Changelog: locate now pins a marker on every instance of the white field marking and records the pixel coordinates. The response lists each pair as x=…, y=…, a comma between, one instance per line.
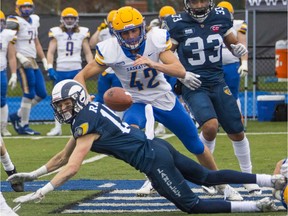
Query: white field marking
x=166, y=136
x=127, y=204
x=107, y=185
x=90, y=160
x=118, y=211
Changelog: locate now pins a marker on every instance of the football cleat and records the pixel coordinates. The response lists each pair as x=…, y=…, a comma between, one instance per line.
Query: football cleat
x=210, y=190
x=160, y=129
x=4, y=130
x=27, y=131
x=15, y=120
x=266, y=205
x=253, y=189
x=278, y=181
x=17, y=187
x=55, y=132
x=146, y=189
x=229, y=193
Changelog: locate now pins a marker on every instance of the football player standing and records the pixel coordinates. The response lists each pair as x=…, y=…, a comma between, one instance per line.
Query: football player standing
x=31, y=78
x=198, y=35
x=68, y=40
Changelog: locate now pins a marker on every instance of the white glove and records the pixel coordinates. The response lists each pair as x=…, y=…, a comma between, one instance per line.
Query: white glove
x=24, y=61
x=191, y=80
x=45, y=64
x=26, y=177
x=37, y=196
x=243, y=69
x=13, y=81
x=284, y=169
x=238, y=50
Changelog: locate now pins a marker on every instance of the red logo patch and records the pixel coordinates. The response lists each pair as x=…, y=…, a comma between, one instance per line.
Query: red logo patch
x=215, y=28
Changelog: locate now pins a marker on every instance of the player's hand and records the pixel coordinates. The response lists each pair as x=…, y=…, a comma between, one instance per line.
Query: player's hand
x=36, y=197
x=102, y=26
x=243, y=69
x=191, y=80
x=52, y=74
x=238, y=50
x=22, y=177
x=13, y=81
x=143, y=60
x=284, y=169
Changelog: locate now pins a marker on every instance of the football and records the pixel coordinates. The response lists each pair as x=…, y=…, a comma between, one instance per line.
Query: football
x=117, y=99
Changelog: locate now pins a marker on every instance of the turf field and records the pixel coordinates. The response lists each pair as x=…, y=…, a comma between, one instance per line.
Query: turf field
x=268, y=142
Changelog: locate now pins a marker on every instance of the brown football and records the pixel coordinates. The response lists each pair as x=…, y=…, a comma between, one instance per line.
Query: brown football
x=117, y=99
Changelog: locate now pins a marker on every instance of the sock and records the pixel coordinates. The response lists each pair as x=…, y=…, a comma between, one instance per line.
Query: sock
x=57, y=124
x=209, y=144
x=6, y=162
x=36, y=100
x=242, y=152
x=4, y=114
x=25, y=110
x=244, y=206
x=264, y=180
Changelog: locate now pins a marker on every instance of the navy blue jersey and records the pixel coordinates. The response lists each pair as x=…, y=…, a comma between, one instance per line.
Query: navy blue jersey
x=200, y=44
x=117, y=138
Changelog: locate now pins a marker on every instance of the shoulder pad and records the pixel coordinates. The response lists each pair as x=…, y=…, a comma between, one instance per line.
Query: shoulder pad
x=12, y=25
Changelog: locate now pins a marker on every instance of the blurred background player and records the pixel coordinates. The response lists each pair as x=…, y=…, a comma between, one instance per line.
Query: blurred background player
x=68, y=40
x=199, y=50
x=7, y=51
x=31, y=78
x=231, y=64
x=107, y=79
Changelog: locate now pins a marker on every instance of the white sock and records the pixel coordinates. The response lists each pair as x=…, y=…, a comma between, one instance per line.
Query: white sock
x=264, y=180
x=6, y=162
x=57, y=124
x=4, y=114
x=244, y=206
x=25, y=110
x=242, y=152
x=36, y=100
x=209, y=144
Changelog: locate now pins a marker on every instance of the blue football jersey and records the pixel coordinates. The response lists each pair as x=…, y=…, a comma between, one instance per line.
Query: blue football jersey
x=200, y=44
x=117, y=138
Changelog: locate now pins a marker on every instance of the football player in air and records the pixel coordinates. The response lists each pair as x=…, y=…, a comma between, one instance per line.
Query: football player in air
x=7, y=51
x=136, y=60
x=231, y=64
x=198, y=35
x=67, y=40
x=31, y=78
x=97, y=128
x=106, y=79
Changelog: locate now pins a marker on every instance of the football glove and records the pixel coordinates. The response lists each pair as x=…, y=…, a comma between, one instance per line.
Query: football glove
x=22, y=177
x=238, y=50
x=102, y=26
x=13, y=81
x=24, y=61
x=45, y=64
x=191, y=80
x=52, y=74
x=243, y=69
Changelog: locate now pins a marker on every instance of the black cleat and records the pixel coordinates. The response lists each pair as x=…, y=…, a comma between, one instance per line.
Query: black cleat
x=17, y=187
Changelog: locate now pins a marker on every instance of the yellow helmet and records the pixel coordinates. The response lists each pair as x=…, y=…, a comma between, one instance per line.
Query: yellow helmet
x=166, y=11
x=110, y=16
x=2, y=21
x=128, y=18
x=284, y=196
x=27, y=12
x=2, y=15
x=226, y=5
x=69, y=12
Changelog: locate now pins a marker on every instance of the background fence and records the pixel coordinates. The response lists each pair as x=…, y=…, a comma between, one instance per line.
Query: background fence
x=270, y=27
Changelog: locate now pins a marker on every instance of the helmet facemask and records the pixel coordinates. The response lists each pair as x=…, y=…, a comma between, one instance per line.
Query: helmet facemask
x=29, y=9
x=69, y=22
x=200, y=13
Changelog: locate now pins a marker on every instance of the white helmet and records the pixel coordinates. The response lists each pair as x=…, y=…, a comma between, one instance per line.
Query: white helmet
x=68, y=89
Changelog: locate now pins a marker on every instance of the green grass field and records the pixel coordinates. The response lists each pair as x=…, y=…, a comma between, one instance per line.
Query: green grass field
x=267, y=144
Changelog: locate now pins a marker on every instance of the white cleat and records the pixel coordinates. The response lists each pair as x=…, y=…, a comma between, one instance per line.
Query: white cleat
x=278, y=181
x=146, y=190
x=55, y=132
x=253, y=189
x=229, y=192
x=266, y=205
x=5, y=132
x=210, y=190
x=160, y=129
